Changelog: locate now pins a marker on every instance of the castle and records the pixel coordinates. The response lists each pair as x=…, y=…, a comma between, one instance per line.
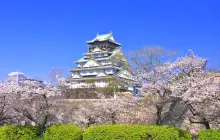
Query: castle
x=104, y=60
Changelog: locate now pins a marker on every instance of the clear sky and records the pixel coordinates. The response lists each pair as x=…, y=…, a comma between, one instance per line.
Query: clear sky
x=39, y=35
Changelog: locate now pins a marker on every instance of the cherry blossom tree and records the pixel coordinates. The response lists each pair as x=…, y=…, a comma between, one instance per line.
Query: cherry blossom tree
x=7, y=116
x=152, y=71
x=87, y=115
x=187, y=82
x=126, y=111
x=113, y=111
x=31, y=101
x=200, y=92
x=183, y=81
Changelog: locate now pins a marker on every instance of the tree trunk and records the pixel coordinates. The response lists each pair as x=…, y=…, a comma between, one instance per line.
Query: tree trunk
x=43, y=125
x=207, y=126
x=42, y=130
x=206, y=123
x=168, y=116
x=159, y=115
x=89, y=122
x=113, y=118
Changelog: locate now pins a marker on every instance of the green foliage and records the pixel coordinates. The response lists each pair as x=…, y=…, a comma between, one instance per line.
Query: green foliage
x=15, y=132
x=120, y=60
x=39, y=138
x=183, y=135
x=106, y=132
x=63, y=132
x=135, y=132
x=209, y=135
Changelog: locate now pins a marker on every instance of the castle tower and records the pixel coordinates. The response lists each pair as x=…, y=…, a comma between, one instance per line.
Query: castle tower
x=102, y=61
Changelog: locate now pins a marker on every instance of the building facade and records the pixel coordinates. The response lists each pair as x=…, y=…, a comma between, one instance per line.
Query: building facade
x=18, y=77
x=104, y=60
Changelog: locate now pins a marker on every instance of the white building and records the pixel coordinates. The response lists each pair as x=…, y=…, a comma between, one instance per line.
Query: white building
x=97, y=64
x=16, y=76
x=19, y=76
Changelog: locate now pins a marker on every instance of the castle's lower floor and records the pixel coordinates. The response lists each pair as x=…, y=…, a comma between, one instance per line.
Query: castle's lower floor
x=82, y=84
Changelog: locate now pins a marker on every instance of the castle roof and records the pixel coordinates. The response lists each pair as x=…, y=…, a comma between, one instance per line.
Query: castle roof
x=114, y=52
x=103, y=37
x=118, y=75
x=95, y=68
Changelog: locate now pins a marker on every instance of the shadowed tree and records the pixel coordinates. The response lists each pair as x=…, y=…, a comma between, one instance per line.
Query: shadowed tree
x=147, y=63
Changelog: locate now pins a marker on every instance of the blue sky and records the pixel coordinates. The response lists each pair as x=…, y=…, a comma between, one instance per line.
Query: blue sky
x=39, y=35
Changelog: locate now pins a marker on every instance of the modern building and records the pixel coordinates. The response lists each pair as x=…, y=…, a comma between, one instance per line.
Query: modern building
x=104, y=60
x=18, y=77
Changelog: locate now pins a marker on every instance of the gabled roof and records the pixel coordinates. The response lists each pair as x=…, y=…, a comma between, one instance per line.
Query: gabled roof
x=102, y=74
x=91, y=63
x=76, y=75
x=82, y=60
x=97, y=49
x=98, y=52
x=125, y=74
x=103, y=37
x=96, y=68
x=114, y=52
x=87, y=78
